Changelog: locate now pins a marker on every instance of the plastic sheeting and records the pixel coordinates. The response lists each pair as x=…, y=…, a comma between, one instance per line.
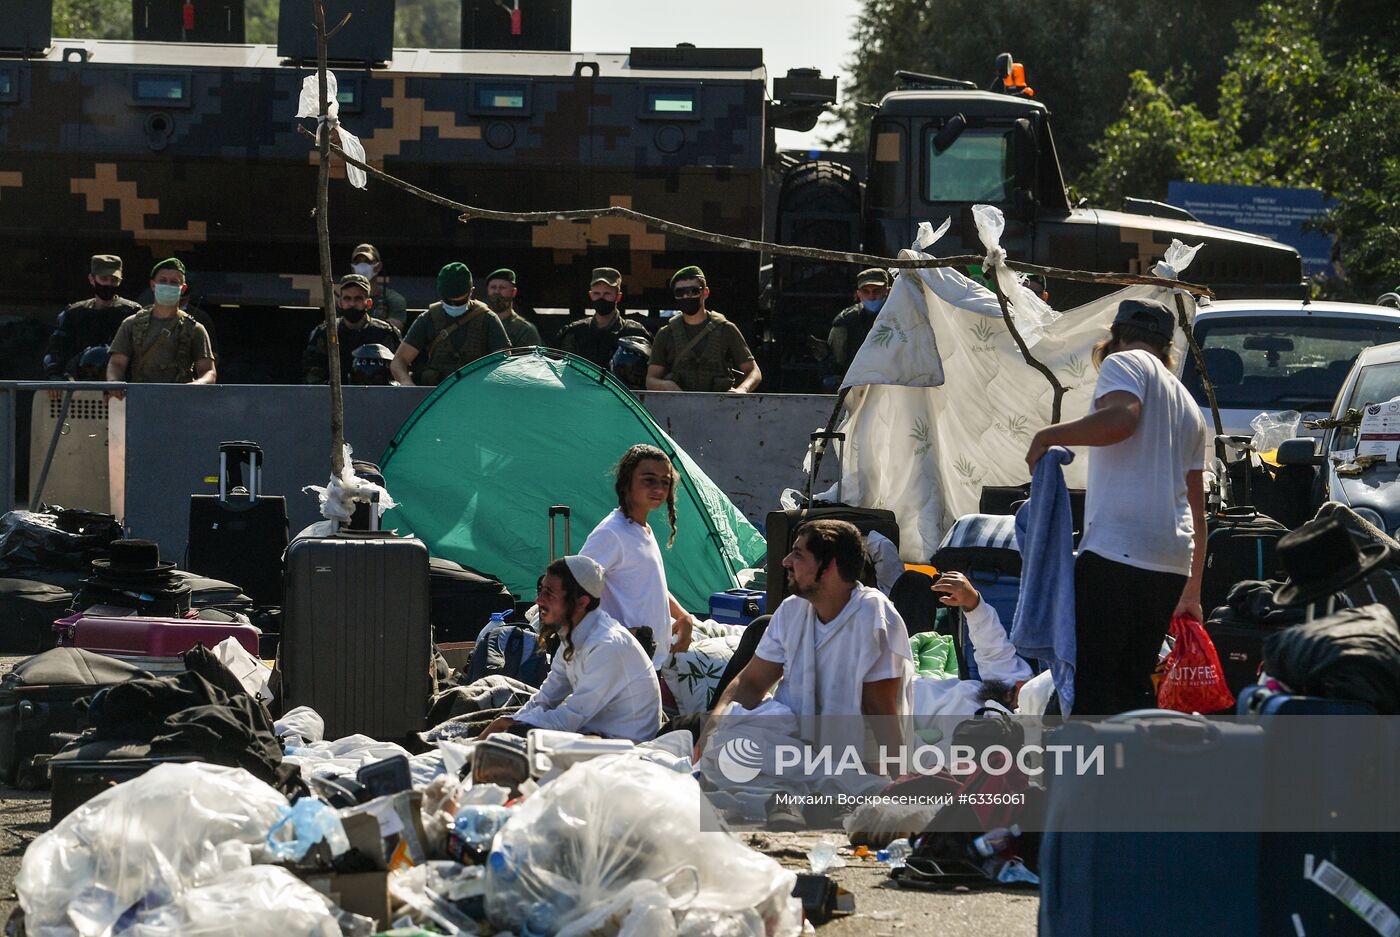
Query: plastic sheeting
x=941, y=402
x=478, y=464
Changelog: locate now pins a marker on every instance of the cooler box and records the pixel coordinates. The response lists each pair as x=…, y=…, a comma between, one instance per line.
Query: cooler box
x=136, y=636
x=737, y=606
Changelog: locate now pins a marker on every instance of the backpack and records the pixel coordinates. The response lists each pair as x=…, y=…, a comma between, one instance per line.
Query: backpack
x=510, y=651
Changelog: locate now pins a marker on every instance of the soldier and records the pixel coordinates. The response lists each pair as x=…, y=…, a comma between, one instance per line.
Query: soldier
x=88, y=322
x=699, y=349
x=450, y=333
x=353, y=327
x=596, y=336
x=853, y=324
x=500, y=296
x=393, y=307
x=162, y=344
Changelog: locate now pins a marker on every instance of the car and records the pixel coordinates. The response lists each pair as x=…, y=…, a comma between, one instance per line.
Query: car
x=1266, y=355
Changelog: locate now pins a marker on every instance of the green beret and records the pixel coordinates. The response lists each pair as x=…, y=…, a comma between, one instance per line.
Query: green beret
x=504, y=273
x=688, y=273
x=454, y=280
x=169, y=263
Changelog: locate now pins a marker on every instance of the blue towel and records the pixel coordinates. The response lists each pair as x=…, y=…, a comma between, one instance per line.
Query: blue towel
x=1044, y=625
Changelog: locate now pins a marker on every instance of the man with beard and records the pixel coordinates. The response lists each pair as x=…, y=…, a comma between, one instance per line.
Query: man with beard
x=354, y=327
x=596, y=337
x=500, y=296
x=700, y=349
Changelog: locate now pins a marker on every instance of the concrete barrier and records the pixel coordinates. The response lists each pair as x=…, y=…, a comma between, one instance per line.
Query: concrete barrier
x=165, y=444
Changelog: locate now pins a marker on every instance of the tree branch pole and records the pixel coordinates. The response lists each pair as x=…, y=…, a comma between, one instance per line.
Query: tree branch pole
x=1200, y=360
x=323, y=235
x=1032, y=360
x=470, y=212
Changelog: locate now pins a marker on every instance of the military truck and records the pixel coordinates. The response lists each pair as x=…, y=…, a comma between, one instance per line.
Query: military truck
x=149, y=148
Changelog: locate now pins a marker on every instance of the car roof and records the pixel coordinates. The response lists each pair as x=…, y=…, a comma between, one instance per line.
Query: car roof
x=1231, y=308
x=1378, y=354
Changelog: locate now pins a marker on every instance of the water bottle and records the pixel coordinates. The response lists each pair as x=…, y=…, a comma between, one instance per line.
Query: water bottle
x=895, y=853
x=473, y=829
x=540, y=922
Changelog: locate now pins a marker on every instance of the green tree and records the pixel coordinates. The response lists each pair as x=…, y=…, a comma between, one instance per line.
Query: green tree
x=92, y=19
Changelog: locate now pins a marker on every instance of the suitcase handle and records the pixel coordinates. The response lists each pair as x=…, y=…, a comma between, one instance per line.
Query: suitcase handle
x=1149, y=719
x=556, y=510
x=824, y=436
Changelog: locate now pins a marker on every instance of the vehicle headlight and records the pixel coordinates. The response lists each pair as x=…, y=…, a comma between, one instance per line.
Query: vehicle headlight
x=1371, y=517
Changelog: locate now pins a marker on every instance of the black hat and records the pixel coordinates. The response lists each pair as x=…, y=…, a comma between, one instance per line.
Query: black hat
x=1146, y=314
x=1322, y=558
x=132, y=556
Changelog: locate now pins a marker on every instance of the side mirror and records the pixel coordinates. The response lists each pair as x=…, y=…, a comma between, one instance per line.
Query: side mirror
x=1300, y=451
x=947, y=136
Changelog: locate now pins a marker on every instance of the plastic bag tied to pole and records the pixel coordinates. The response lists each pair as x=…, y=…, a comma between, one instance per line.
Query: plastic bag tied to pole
x=309, y=105
x=343, y=491
x=1030, y=313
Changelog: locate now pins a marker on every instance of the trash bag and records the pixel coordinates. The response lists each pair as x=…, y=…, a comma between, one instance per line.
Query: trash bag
x=1272, y=430
x=1352, y=655
x=1194, y=682
x=145, y=842
x=251, y=902
x=62, y=539
x=622, y=826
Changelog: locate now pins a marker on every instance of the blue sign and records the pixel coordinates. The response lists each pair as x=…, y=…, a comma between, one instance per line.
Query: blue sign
x=1275, y=213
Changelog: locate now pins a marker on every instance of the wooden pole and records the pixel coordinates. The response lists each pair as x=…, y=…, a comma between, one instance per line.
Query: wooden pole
x=323, y=235
x=1030, y=359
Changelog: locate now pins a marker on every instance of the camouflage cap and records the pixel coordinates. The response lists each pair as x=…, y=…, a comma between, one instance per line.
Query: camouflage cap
x=872, y=275
x=688, y=273
x=365, y=250
x=504, y=273
x=606, y=275
x=354, y=279
x=453, y=280
x=106, y=265
x=169, y=263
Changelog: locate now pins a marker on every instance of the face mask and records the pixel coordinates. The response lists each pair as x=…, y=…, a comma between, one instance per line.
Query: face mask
x=166, y=294
x=352, y=314
x=689, y=305
x=453, y=311
x=872, y=305
x=364, y=270
x=104, y=293
x=498, y=303
x=603, y=307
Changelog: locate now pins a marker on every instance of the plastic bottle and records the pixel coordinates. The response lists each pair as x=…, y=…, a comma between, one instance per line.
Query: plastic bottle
x=994, y=841
x=473, y=829
x=540, y=922
x=895, y=853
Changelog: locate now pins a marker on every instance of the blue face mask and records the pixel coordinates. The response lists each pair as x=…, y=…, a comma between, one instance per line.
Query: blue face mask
x=166, y=294
x=453, y=311
x=872, y=305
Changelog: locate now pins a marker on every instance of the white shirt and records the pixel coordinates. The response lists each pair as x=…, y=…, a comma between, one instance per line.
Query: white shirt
x=608, y=688
x=634, y=578
x=885, y=556
x=1135, y=510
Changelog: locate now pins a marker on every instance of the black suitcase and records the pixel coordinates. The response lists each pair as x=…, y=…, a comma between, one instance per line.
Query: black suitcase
x=28, y=608
x=36, y=700
x=82, y=771
x=239, y=535
x=1240, y=545
x=357, y=639
x=1240, y=644
x=462, y=600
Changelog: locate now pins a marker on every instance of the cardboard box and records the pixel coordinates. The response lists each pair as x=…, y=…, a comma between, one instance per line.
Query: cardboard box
x=362, y=893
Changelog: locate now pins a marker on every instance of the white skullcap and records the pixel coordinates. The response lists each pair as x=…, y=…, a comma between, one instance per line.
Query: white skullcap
x=588, y=573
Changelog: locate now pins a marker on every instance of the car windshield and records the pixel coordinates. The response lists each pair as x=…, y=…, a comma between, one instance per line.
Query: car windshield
x=1376, y=383
x=1282, y=362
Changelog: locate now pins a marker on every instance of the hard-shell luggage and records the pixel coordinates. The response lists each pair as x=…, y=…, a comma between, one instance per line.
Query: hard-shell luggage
x=463, y=600
x=1240, y=545
x=83, y=770
x=139, y=636
x=356, y=633
x=28, y=609
x=737, y=606
x=239, y=535
x=36, y=700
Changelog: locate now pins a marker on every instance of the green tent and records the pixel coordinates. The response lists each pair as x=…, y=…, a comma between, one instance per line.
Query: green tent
x=477, y=465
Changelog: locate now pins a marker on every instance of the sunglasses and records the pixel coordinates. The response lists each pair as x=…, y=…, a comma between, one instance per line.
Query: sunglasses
x=688, y=291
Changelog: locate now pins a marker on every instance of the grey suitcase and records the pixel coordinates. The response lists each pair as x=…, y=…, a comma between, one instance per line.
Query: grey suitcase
x=357, y=634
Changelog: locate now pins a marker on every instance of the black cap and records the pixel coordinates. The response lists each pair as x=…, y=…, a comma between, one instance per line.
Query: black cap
x=1147, y=314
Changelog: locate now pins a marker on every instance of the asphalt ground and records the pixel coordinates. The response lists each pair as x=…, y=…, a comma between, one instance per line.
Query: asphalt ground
x=881, y=907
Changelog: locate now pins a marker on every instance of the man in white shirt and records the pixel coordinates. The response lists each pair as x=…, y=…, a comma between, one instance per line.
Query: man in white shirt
x=600, y=681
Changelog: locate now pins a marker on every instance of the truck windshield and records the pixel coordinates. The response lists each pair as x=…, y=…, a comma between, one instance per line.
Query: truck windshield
x=976, y=168
x=1282, y=362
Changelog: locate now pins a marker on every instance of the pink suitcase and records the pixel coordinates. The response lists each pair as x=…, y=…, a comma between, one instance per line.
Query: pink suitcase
x=149, y=637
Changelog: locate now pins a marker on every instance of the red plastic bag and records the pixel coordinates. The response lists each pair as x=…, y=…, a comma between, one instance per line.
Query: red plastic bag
x=1194, y=682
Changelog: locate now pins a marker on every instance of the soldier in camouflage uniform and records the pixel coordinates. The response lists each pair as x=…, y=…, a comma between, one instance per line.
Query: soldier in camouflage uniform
x=450, y=333
x=354, y=327
x=392, y=306
x=699, y=349
x=88, y=322
x=853, y=324
x=162, y=344
x=596, y=337
x=500, y=296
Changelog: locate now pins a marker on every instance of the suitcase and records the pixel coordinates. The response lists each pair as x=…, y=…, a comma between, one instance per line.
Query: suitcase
x=1240, y=545
x=1261, y=701
x=781, y=527
x=82, y=771
x=28, y=609
x=462, y=600
x=1240, y=644
x=737, y=606
x=134, y=635
x=1000, y=499
x=36, y=700
x=239, y=535
x=356, y=633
